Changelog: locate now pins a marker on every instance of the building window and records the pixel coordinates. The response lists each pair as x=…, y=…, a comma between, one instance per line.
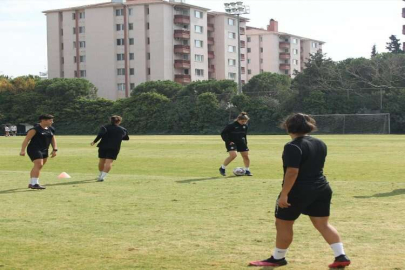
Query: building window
x=131, y=41
x=295, y=61
x=62, y=60
x=74, y=44
x=82, y=15
x=75, y=73
x=132, y=86
x=198, y=43
x=74, y=59
x=231, y=75
x=286, y=72
x=198, y=14
x=261, y=49
x=249, y=39
x=61, y=46
x=148, y=40
x=249, y=71
x=198, y=29
x=131, y=71
x=147, y=26
x=295, y=51
x=248, y=61
x=82, y=44
x=121, y=87
x=82, y=29
x=74, y=16
x=260, y=38
x=314, y=45
x=232, y=62
x=232, y=35
x=82, y=58
x=295, y=41
x=261, y=71
x=148, y=71
x=231, y=21
x=83, y=73
x=74, y=30
x=199, y=58
x=120, y=42
x=131, y=56
x=231, y=48
x=61, y=32
x=119, y=12
x=121, y=71
x=199, y=72
x=120, y=27
x=120, y=57
x=148, y=56
x=249, y=50
x=261, y=60
x=131, y=26
x=130, y=10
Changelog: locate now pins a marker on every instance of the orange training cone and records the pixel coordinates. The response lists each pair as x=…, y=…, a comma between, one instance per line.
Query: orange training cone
x=64, y=175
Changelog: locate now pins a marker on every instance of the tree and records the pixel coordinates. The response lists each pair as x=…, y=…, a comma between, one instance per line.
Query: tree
x=267, y=83
x=374, y=51
x=167, y=88
x=394, y=46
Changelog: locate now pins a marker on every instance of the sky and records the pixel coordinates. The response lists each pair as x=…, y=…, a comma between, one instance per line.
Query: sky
x=349, y=27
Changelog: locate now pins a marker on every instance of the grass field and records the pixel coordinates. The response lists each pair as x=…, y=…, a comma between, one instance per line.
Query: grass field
x=164, y=206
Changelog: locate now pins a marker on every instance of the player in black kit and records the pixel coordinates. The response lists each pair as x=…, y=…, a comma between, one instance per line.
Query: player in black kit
x=305, y=190
x=111, y=137
x=38, y=140
x=234, y=136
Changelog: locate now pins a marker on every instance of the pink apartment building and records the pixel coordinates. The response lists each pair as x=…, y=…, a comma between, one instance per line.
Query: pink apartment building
x=117, y=45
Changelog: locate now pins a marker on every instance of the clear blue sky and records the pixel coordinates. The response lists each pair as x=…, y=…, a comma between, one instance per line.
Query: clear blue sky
x=349, y=27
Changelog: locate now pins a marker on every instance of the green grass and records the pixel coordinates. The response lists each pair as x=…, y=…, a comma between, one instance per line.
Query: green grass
x=164, y=207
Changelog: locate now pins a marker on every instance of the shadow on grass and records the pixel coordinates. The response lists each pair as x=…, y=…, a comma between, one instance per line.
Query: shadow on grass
x=387, y=194
x=19, y=190
x=186, y=181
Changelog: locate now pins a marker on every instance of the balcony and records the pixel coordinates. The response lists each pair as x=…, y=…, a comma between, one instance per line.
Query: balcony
x=242, y=70
x=181, y=19
x=242, y=30
x=211, y=41
x=403, y=13
x=285, y=66
x=184, y=49
x=211, y=55
x=403, y=30
x=211, y=69
x=182, y=64
x=183, y=34
x=210, y=27
x=182, y=78
x=242, y=44
x=284, y=45
x=285, y=56
x=242, y=57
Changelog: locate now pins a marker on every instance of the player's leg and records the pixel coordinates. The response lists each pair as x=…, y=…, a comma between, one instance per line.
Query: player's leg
x=246, y=162
x=100, y=166
x=35, y=172
x=107, y=168
x=232, y=155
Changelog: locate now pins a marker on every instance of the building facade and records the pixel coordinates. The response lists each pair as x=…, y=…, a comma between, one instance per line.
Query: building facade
x=118, y=45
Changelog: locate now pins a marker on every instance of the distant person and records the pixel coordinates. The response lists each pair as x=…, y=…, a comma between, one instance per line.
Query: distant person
x=7, y=131
x=38, y=140
x=305, y=191
x=109, y=147
x=234, y=136
x=13, y=130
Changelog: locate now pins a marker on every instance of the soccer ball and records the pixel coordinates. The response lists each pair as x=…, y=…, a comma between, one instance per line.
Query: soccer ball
x=239, y=171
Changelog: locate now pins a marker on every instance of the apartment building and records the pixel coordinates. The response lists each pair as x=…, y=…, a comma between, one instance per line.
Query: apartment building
x=117, y=45
x=269, y=50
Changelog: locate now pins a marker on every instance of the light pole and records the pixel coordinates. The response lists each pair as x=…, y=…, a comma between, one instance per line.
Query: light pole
x=237, y=8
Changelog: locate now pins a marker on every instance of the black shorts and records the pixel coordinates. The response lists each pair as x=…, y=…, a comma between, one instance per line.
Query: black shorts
x=108, y=153
x=37, y=154
x=314, y=202
x=240, y=147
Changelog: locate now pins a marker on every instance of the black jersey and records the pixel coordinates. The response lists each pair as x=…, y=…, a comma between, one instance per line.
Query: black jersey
x=111, y=137
x=308, y=154
x=42, y=138
x=235, y=133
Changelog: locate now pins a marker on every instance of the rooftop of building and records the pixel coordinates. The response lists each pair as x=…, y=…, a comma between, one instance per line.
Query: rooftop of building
x=262, y=31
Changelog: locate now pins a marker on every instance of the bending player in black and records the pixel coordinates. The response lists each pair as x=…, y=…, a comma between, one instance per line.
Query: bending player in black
x=111, y=137
x=38, y=140
x=234, y=136
x=305, y=191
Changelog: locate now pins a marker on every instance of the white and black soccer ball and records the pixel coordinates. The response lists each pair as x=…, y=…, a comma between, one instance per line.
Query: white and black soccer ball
x=239, y=171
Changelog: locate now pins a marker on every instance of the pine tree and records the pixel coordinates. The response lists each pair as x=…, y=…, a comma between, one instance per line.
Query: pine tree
x=374, y=51
x=394, y=46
